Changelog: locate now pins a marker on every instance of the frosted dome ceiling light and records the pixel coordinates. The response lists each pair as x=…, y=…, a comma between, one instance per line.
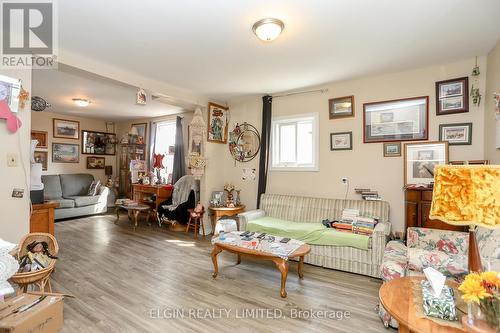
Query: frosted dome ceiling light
x=268, y=29
x=81, y=102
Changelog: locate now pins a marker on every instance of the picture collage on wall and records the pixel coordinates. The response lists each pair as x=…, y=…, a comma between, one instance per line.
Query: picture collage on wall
x=96, y=143
x=392, y=122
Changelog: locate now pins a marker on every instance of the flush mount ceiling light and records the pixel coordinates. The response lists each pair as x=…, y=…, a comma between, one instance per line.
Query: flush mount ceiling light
x=81, y=102
x=268, y=29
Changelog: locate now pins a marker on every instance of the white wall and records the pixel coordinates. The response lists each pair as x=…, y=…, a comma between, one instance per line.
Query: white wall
x=43, y=121
x=15, y=212
x=365, y=165
x=492, y=85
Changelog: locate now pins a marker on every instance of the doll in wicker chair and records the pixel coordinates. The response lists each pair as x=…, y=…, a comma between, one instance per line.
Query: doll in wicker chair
x=38, y=257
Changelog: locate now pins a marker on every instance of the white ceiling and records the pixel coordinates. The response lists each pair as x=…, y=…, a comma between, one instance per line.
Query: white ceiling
x=110, y=100
x=208, y=48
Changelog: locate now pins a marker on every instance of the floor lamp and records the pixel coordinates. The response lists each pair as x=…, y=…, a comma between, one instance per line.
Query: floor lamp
x=467, y=195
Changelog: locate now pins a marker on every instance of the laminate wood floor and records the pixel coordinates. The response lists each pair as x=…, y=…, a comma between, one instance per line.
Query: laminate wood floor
x=126, y=281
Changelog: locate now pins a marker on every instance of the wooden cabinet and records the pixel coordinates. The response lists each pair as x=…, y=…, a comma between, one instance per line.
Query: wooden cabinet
x=42, y=217
x=417, y=207
x=143, y=193
x=127, y=153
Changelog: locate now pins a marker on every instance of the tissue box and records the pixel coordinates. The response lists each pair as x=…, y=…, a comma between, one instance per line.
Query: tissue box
x=440, y=307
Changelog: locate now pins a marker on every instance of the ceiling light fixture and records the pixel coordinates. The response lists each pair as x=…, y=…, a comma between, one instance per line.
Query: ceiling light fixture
x=80, y=102
x=268, y=29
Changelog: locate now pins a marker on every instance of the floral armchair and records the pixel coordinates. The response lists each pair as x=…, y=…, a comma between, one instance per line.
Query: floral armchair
x=443, y=250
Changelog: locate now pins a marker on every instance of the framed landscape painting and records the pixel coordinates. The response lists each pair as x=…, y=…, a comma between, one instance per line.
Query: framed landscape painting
x=456, y=134
x=404, y=119
x=420, y=160
x=392, y=149
x=341, y=141
x=94, y=162
x=218, y=117
x=341, y=107
x=452, y=96
x=65, y=153
x=66, y=129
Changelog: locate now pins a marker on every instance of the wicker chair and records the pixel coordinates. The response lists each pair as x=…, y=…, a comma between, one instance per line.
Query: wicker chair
x=39, y=278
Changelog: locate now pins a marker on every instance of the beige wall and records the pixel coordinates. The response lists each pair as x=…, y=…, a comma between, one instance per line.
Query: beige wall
x=492, y=85
x=15, y=212
x=365, y=165
x=42, y=121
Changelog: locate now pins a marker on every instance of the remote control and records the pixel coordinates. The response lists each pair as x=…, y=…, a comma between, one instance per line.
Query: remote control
x=262, y=235
x=285, y=240
x=245, y=233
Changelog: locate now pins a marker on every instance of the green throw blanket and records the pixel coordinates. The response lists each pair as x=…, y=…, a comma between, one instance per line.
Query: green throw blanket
x=310, y=233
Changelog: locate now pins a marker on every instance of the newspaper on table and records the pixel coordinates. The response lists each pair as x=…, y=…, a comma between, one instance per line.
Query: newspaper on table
x=274, y=247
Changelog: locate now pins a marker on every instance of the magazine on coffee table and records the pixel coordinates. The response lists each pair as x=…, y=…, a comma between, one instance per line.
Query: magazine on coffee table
x=267, y=244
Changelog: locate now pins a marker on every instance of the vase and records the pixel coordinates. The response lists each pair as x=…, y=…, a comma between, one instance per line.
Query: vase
x=486, y=313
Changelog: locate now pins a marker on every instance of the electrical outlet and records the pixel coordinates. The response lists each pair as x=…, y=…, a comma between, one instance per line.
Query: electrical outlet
x=344, y=180
x=12, y=160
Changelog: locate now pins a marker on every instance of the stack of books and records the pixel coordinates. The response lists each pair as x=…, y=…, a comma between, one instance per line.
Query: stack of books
x=364, y=225
x=345, y=223
x=368, y=194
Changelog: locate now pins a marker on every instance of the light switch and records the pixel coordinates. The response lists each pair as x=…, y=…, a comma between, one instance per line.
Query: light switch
x=12, y=160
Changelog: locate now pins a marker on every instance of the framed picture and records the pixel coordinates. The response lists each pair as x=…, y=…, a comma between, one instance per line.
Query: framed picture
x=141, y=132
x=420, y=160
x=65, y=153
x=98, y=143
x=66, y=129
x=341, y=107
x=41, y=137
x=341, y=141
x=404, y=119
x=471, y=162
x=452, y=96
x=456, y=134
x=140, y=97
x=392, y=149
x=217, y=123
x=9, y=91
x=41, y=157
x=94, y=162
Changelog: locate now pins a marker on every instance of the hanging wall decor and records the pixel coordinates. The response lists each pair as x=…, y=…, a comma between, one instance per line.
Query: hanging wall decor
x=244, y=142
x=475, y=95
x=218, y=118
x=196, y=160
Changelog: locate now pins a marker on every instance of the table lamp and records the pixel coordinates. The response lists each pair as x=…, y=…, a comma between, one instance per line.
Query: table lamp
x=467, y=195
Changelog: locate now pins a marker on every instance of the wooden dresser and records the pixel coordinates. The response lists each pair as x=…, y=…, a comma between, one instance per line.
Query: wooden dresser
x=142, y=192
x=417, y=208
x=42, y=217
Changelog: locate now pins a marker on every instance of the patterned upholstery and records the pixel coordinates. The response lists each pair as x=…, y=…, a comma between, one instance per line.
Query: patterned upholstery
x=307, y=209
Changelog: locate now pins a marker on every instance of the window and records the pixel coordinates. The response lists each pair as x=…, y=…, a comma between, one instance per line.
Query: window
x=294, y=145
x=164, y=144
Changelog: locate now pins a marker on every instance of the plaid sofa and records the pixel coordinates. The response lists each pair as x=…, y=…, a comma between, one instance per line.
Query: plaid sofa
x=307, y=209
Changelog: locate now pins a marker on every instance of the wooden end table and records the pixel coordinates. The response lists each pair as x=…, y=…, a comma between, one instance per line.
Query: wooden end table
x=281, y=263
x=133, y=211
x=216, y=212
x=397, y=298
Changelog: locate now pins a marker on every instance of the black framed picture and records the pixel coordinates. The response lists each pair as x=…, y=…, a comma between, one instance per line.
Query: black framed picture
x=456, y=134
x=452, y=96
x=98, y=143
x=341, y=141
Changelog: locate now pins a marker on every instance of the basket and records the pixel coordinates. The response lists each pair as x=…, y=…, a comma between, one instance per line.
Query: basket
x=39, y=278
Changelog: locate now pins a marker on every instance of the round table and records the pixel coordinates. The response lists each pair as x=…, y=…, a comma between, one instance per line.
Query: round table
x=397, y=298
x=216, y=212
x=133, y=212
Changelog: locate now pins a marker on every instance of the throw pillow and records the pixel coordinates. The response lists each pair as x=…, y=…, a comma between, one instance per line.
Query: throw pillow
x=94, y=188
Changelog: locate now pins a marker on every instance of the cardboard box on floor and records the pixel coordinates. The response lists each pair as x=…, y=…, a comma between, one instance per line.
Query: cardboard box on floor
x=44, y=317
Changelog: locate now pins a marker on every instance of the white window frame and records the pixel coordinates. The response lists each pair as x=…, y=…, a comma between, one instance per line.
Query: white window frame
x=315, y=142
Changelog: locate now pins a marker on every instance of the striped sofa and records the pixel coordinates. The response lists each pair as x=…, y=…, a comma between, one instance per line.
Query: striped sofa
x=306, y=209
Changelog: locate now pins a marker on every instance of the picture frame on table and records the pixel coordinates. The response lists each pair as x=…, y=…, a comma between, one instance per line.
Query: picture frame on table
x=341, y=141
x=66, y=129
x=218, y=118
x=95, y=162
x=456, y=134
x=392, y=149
x=98, y=143
x=41, y=137
x=65, y=152
x=41, y=157
x=420, y=158
x=341, y=107
x=452, y=96
x=405, y=119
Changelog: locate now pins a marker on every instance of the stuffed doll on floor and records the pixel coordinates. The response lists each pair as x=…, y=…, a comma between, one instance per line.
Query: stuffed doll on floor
x=37, y=258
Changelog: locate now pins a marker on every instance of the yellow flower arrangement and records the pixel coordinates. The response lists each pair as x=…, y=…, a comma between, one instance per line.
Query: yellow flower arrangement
x=484, y=290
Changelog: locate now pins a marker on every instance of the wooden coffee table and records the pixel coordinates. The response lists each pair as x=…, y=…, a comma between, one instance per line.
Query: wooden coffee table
x=281, y=263
x=397, y=298
x=133, y=212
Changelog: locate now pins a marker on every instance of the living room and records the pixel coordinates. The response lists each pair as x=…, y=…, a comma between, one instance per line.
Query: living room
x=283, y=169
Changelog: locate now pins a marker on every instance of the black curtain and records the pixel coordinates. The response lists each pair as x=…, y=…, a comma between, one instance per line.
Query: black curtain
x=179, y=162
x=265, y=141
